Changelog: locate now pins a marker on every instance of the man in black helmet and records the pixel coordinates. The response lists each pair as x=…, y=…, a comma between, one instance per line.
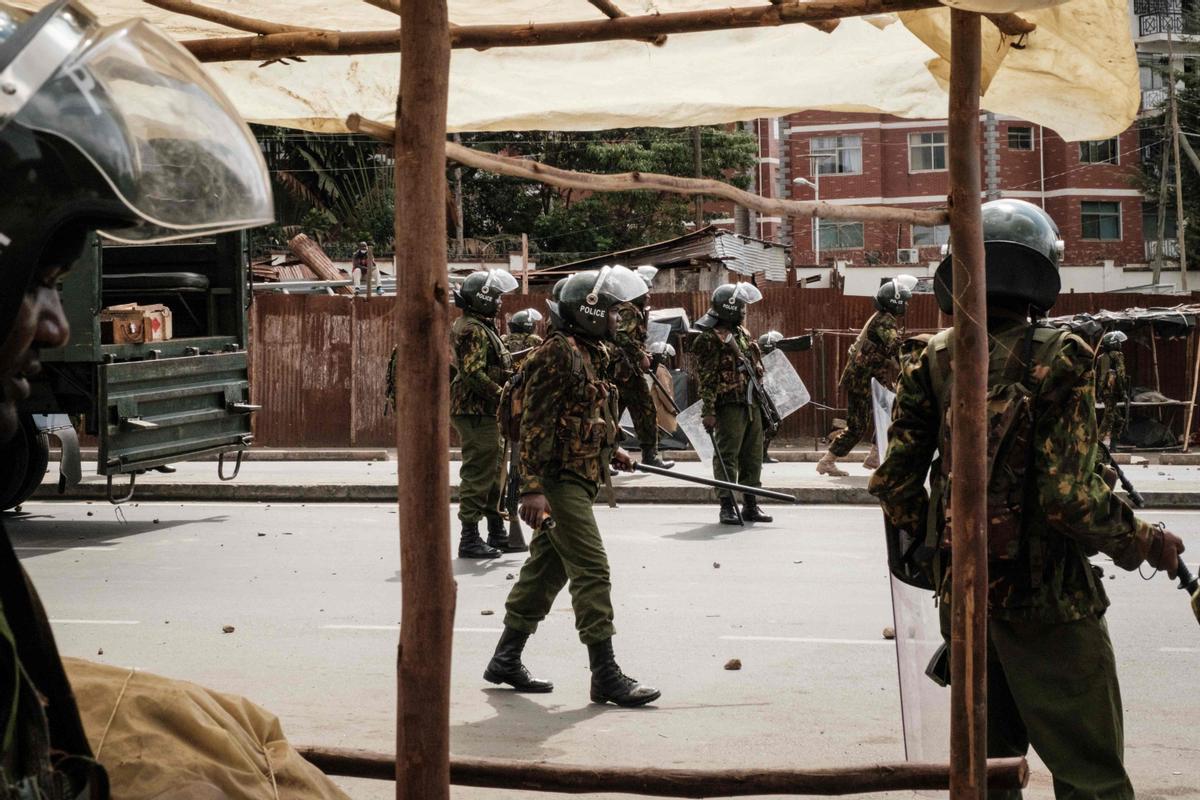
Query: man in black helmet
x=874, y=354
x=722, y=355
x=568, y=440
x=630, y=365
x=1052, y=680
x=80, y=151
x=1112, y=386
x=521, y=339
x=481, y=367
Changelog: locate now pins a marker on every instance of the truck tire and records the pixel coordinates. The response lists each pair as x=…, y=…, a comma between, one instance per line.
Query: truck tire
x=22, y=471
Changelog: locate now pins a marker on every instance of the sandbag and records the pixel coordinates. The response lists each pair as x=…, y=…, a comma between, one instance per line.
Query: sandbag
x=164, y=738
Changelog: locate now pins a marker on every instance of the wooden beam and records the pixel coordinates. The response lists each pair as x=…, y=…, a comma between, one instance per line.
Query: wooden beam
x=968, y=441
x=1012, y=24
x=228, y=19
x=387, y=5
x=788, y=12
x=422, y=765
x=610, y=10
x=1004, y=774
x=648, y=181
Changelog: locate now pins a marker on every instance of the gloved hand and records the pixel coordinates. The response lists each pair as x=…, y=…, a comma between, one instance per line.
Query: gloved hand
x=710, y=422
x=1164, y=552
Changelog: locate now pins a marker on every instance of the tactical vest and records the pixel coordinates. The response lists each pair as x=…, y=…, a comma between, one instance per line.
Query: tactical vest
x=862, y=351
x=732, y=384
x=1012, y=404
x=499, y=365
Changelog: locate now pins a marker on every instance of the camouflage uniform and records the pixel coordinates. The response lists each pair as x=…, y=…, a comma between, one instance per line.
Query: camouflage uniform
x=520, y=343
x=482, y=365
x=629, y=377
x=875, y=354
x=724, y=392
x=1112, y=389
x=1052, y=677
x=568, y=433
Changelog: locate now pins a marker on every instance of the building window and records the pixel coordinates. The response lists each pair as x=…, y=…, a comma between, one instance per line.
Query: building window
x=926, y=152
x=839, y=155
x=1104, y=151
x=1020, y=138
x=1100, y=221
x=841, y=235
x=930, y=236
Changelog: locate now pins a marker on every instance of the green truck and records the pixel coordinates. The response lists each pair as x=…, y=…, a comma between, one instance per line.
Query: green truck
x=146, y=404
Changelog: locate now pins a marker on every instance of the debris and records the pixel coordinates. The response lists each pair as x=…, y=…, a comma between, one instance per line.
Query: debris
x=89, y=513
x=487, y=612
x=227, y=629
x=889, y=633
x=797, y=562
x=100, y=652
x=733, y=664
x=156, y=520
x=716, y=565
x=262, y=534
x=509, y=577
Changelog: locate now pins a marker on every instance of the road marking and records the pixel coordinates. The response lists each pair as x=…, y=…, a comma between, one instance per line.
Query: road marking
x=1179, y=649
x=807, y=640
x=95, y=622
x=397, y=627
x=62, y=548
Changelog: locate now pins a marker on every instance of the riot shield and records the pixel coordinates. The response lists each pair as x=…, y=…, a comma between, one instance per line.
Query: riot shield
x=692, y=426
x=657, y=332
x=924, y=706
x=783, y=384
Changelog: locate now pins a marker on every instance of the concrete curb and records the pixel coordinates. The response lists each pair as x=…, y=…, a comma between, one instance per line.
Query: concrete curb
x=235, y=491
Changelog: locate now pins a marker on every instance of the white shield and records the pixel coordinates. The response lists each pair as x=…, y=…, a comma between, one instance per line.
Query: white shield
x=782, y=384
x=657, y=332
x=690, y=422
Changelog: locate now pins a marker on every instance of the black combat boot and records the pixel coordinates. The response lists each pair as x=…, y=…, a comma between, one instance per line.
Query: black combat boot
x=650, y=456
x=751, y=512
x=610, y=685
x=728, y=511
x=497, y=533
x=506, y=666
x=471, y=545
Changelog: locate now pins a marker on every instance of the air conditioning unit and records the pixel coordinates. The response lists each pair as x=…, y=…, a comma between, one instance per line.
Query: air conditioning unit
x=906, y=255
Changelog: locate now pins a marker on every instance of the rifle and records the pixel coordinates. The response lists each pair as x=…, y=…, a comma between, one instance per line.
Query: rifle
x=512, y=500
x=716, y=484
x=755, y=394
x=1189, y=584
x=1135, y=496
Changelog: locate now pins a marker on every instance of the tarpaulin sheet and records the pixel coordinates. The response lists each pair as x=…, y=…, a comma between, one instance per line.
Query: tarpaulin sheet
x=159, y=737
x=1076, y=74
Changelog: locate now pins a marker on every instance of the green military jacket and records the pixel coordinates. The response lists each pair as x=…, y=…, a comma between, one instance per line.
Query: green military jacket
x=630, y=342
x=716, y=359
x=481, y=366
x=1111, y=381
x=569, y=418
x=520, y=343
x=875, y=353
x=1072, y=513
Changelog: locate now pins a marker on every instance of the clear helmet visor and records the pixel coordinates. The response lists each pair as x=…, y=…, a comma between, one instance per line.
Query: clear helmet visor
x=905, y=283
x=647, y=272
x=746, y=293
x=771, y=338
x=499, y=281
x=533, y=315
x=620, y=283
x=159, y=130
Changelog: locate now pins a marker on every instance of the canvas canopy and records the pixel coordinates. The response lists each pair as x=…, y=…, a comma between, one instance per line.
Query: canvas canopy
x=1076, y=74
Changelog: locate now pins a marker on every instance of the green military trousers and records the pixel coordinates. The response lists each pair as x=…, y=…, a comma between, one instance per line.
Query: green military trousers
x=1054, y=685
x=858, y=416
x=634, y=395
x=739, y=440
x=479, y=478
x=569, y=553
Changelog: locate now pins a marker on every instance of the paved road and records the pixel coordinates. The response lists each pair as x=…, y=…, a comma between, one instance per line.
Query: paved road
x=314, y=594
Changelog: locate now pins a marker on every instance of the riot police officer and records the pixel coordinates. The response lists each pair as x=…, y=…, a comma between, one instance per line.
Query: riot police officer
x=76, y=158
x=1112, y=386
x=630, y=363
x=481, y=367
x=568, y=439
x=520, y=339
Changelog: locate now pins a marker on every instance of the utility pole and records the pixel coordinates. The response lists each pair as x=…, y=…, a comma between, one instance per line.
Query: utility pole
x=1180, y=220
x=1161, y=232
x=458, y=204
x=698, y=171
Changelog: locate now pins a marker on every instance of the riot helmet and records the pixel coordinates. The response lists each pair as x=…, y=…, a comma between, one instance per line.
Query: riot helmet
x=1022, y=249
x=1113, y=340
x=587, y=297
x=661, y=350
x=480, y=292
x=555, y=322
x=893, y=295
x=524, y=320
x=112, y=128
x=647, y=273
x=729, y=303
x=768, y=340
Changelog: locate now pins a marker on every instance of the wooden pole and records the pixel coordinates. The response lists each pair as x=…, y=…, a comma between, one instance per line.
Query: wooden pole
x=968, y=629
x=1180, y=218
x=1005, y=774
x=1191, y=411
x=230, y=20
x=1161, y=219
x=422, y=766
x=791, y=12
x=610, y=10
x=524, y=263
x=649, y=181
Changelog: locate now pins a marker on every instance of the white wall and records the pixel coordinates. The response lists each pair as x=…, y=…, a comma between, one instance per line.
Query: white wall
x=1106, y=277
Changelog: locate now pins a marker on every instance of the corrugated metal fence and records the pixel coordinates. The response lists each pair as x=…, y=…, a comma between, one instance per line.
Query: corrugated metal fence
x=318, y=362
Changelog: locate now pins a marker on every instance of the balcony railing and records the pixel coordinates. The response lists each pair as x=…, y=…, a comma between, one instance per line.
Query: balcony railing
x=1144, y=7
x=1153, y=24
x=1170, y=248
x=1153, y=98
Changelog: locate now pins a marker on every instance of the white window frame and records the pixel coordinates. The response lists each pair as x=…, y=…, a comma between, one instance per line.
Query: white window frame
x=841, y=144
x=1116, y=150
x=932, y=147
x=1120, y=221
x=1032, y=141
x=837, y=225
x=912, y=235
